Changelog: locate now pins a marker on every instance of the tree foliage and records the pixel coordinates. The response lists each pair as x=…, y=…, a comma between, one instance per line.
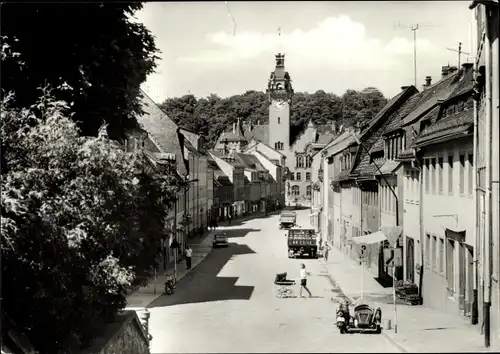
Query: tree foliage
x=95, y=49
x=80, y=218
x=211, y=115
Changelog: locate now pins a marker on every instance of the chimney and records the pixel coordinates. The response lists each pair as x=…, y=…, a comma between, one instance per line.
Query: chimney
x=467, y=66
x=404, y=88
x=428, y=80
x=445, y=70
x=334, y=127
x=234, y=128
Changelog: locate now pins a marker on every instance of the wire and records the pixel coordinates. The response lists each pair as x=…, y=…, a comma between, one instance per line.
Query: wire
x=232, y=18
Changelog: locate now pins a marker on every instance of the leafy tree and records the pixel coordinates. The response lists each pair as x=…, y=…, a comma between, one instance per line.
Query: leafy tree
x=77, y=225
x=95, y=49
x=212, y=115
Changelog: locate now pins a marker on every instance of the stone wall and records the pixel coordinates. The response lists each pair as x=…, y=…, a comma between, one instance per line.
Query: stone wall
x=123, y=336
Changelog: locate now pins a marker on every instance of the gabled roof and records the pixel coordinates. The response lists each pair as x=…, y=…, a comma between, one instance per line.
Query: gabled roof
x=451, y=126
x=405, y=109
x=251, y=162
x=377, y=125
x=441, y=90
x=273, y=161
x=229, y=158
x=161, y=130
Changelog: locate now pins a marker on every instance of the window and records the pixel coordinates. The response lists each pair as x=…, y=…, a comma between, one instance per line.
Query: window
x=292, y=176
x=279, y=120
x=308, y=176
x=440, y=175
x=470, y=170
x=433, y=176
x=278, y=145
x=426, y=171
x=441, y=255
x=403, y=142
x=308, y=190
x=300, y=161
x=308, y=161
x=433, y=253
x=295, y=191
x=450, y=266
x=450, y=174
x=462, y=174
x=299, y=177
x=427, y=247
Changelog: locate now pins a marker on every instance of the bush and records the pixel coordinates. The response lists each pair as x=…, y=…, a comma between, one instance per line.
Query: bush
x=80, y=218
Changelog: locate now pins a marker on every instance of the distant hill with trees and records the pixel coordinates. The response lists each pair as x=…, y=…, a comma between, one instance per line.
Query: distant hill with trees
x=211, y=115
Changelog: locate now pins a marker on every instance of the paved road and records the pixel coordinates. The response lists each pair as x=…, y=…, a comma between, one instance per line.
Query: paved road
x=228, y=303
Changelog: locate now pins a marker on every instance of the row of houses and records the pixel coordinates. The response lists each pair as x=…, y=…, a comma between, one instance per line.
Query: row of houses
x=234, y=181
x=420, y=164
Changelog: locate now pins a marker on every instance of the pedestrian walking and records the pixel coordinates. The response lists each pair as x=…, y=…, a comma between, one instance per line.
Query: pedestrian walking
x=303, y=280
x=229, y=219
x=326, y=249
x=189, y=254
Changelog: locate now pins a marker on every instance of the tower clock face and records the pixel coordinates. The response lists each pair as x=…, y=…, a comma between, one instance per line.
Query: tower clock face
x=279, y=105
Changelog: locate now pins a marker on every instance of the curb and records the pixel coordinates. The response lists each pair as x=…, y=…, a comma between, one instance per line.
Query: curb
x=386, y=336
x=184, y=275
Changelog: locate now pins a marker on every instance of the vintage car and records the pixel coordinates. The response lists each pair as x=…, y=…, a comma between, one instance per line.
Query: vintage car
x=220, y=240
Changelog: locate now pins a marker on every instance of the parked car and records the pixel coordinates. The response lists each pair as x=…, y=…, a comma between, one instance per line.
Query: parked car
x=220, y=240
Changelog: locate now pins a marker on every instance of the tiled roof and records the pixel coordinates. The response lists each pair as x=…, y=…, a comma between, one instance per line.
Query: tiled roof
x=451, y=125
x=377, y=126
x=465, y=84
x=401, y=113
x=162, y=130
x=378, y=146
x=260, y=132
x=229, y=158
x=340, y=143
x=371, y=169
x=431, y=95
x=342, y=176
x=257, y=132
x=251, y=162
x=392, y=102
x=388, y=167
x=365, y=161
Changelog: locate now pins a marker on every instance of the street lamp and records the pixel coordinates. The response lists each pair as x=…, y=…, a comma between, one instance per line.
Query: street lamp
x=358, y=141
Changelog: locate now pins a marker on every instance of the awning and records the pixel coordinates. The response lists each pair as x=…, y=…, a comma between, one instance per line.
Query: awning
x=369, y=239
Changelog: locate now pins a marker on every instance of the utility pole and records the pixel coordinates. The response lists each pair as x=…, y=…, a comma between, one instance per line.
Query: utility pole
x=414, y=28
x=459, y=51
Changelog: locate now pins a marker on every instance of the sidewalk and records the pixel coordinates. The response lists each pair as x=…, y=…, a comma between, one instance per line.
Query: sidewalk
x=145, y=295
x=420, y=329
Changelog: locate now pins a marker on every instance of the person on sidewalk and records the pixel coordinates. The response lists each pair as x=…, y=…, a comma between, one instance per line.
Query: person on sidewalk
x=229, y=218
x=326, y=249
x=189, y=254
x=303, y=279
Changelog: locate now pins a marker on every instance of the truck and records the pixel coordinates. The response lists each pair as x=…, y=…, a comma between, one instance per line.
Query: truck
x=302, y=242
x=287, y=219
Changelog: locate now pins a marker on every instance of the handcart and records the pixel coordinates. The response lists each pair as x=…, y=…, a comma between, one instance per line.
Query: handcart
x=284, y=288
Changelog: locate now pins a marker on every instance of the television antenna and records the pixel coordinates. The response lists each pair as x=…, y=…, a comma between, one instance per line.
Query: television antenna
x=459, y=51
x=414, y=28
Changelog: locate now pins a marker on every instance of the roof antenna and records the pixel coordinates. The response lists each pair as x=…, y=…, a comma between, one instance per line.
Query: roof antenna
x=459, y=51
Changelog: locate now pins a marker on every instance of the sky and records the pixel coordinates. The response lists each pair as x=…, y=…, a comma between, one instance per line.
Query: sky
x=331, y=46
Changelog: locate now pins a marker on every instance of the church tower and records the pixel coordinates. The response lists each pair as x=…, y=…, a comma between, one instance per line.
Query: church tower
x=280, y=95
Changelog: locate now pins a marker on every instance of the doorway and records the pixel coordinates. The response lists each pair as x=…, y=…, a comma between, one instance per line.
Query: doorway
x=410, y=259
